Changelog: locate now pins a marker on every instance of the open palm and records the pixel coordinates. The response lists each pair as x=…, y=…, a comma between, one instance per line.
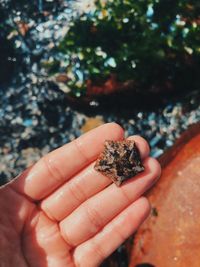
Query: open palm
x=61, y=212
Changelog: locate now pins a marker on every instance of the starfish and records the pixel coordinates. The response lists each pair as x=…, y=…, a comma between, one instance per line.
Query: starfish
x=120, y=161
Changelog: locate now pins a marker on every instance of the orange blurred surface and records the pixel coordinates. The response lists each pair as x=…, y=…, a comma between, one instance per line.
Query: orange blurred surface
x=171, y=235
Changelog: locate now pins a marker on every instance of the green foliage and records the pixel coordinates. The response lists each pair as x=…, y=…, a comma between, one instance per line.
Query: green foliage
x=156, y=43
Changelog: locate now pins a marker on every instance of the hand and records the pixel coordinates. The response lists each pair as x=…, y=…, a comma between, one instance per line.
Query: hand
x=61, y=212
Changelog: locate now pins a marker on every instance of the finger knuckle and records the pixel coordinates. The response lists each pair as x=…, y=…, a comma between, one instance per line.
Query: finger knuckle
x=98, y=251
x=79, y=147
x=65, y=235
x=77, y=191
x=95, y=220
x=52, y=168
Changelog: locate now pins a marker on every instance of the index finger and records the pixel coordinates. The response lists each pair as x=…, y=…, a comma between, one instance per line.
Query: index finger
x=60, y=165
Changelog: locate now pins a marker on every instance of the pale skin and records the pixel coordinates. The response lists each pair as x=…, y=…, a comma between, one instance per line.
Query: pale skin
x=61, y=212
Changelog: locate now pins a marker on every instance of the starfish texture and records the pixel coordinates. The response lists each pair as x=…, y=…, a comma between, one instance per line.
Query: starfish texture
x=120, y=160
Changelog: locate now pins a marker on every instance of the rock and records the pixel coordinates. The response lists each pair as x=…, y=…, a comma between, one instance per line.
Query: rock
x=62, y=78
x=110, y=86
x=92, y=123
x=23, y=28
x=170, y=237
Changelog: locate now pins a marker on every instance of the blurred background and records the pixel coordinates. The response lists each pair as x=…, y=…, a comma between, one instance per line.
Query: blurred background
x=69, y=66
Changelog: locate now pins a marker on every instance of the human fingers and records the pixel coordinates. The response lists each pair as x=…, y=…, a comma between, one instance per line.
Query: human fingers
x=142, y=144
x=57, y=167
x=96, y=212
x=92, y=252
x=42, y=243
x=82, y=186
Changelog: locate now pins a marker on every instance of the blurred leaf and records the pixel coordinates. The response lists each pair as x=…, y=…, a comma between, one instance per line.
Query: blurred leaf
x=151, y=42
